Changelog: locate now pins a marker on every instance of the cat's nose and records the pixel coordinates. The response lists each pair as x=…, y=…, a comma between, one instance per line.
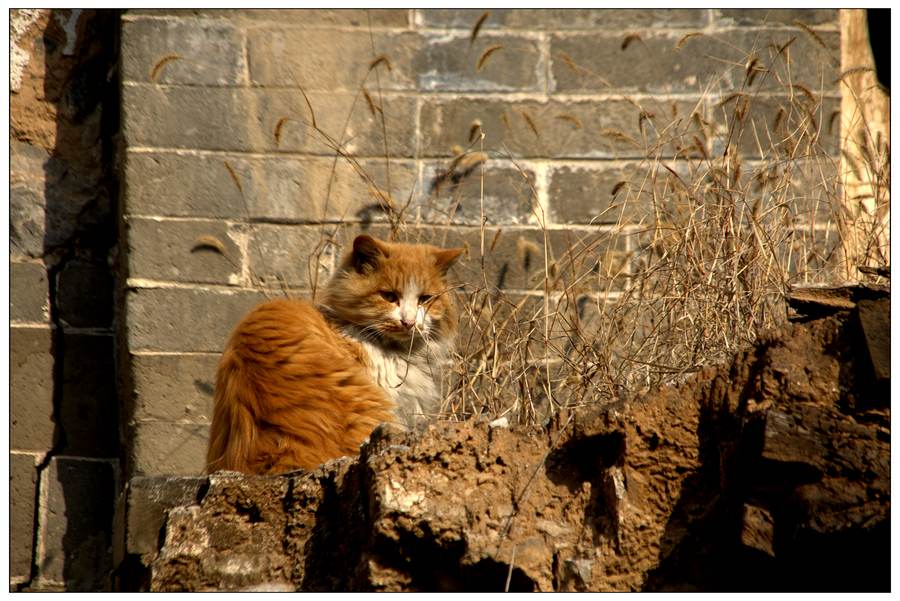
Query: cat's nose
x=408, y=323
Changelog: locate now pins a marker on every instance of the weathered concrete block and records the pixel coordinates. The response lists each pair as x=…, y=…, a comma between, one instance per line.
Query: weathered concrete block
x=174, y=387
x=28, y=292
x=27, y=200
x=490, y=63
x=777, y=125
x=176, y=185
x=295, y=57
x=804, y=62
x=561, y=19
x=76, y=523
x=167, y=448
x=184, y=251
x=312, y=190
x=85, y=294
x=585, y=194
x=148, y=499
x=31, y=426
x=264, y=121
x=22, y=489
x=272, y=187
x=597, y=62
x=343, y=17
x=183, y=51
x=166, y=319
x=775, y=16
x=286, y=253
x=383, y=17
x=455, y=195
x=89, y=413
x=26, y=219
x=578, y=129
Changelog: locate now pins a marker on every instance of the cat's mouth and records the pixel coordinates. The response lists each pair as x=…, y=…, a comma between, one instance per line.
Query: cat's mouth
x=399, y=332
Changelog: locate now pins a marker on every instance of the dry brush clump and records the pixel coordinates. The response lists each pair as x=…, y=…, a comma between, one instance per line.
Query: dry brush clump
x=733, y=203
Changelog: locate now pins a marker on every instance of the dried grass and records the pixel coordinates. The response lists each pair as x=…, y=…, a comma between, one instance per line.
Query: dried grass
x=725, y=213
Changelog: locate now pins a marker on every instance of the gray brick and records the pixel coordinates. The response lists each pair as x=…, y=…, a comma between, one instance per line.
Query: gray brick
x=180, y=251
x=26, y=219
x=283, y=253
x=298, y=189
x=584, y=193
x=31, y=426
x=84, y=294
x=775, y=16
x=27, y=200
x=334, y=18
x=299, y=57
x=167, y=319
x=596, y=62
x=451, y=64
x=76, y=527
x=28, y=292
x=167, y=448
x=22, y=487
x=756, y=136
x=148, y=500
x=562, y=19
x=457, y=198
x=186, y=51
x=174, y=387
x=89, y=411
x=583, y=129
x=176, y=185
x=299, y=17
x=286, y=189
x=804, y=61
x=191, y=117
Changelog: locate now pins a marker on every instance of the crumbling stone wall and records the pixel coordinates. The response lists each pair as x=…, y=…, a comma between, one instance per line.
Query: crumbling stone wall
x=230, y=187
x=767, y=473
x=64, y=436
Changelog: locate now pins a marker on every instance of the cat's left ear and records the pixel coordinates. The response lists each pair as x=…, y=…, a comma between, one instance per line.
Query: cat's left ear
x=367, y=251
x=444, y=258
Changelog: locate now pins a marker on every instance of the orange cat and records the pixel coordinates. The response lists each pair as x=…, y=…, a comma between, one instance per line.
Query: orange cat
x=298, y=385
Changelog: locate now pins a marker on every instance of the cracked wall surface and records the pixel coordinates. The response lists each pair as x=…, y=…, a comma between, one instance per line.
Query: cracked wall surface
x=64, y=435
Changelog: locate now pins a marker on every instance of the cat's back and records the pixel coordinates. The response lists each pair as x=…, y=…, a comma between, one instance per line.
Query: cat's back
x=277, y=329
x=291, y=392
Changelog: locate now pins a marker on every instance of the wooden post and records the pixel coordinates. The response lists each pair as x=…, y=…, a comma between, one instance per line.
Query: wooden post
x=864, y=218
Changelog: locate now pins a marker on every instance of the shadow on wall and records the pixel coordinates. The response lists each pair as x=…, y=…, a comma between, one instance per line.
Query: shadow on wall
x=80, y=54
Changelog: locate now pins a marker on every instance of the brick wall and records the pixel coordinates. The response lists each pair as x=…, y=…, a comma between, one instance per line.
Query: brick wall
x=64, y=437
x=219, y=151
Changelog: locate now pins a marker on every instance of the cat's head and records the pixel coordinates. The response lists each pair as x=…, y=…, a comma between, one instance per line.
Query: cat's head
x=397, y=293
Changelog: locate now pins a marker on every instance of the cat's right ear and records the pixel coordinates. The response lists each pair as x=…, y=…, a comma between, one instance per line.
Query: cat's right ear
x=367, y=251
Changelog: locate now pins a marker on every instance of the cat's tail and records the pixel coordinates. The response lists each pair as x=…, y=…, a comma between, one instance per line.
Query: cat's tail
x=232, y=434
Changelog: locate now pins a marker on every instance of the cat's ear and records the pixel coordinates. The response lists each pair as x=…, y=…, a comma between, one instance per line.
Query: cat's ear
x=444, y=258
x=367, y=251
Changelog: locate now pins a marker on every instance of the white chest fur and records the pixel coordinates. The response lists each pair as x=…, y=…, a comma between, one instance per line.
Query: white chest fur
x=409, y=383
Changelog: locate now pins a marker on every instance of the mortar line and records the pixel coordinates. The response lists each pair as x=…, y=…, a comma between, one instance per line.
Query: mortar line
x=512, y=94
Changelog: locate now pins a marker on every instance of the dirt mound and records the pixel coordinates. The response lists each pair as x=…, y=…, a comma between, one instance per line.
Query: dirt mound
x=771, y=473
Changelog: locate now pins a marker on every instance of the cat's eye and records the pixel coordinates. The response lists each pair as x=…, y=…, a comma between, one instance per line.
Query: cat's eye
x=389, y=295
x=425, y=298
